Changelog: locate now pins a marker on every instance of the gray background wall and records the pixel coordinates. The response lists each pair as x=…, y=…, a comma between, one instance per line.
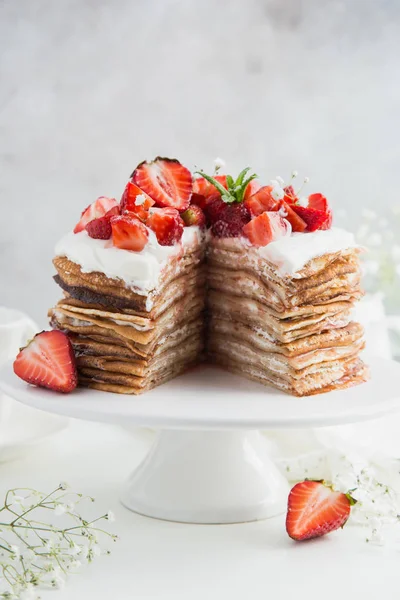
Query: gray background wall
x=88, y=89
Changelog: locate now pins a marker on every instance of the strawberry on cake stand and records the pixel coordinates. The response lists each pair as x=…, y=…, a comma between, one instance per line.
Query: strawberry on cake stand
x=207, y=308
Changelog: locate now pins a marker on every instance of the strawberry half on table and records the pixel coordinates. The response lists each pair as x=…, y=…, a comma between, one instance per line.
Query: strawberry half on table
x=48, y=361
x=166, y=181
x=315, y=509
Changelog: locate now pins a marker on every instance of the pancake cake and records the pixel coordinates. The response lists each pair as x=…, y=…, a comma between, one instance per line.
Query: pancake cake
x=272, y=303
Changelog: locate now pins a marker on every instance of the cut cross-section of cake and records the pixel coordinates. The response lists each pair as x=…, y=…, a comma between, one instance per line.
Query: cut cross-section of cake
x=133, y=303
x=280, y=283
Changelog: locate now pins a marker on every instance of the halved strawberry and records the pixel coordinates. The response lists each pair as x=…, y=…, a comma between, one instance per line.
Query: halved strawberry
x=252, y=187
x=315, y=219
x=48, y=361
x=166, y=181
x=94, y=211
x=100, y=229
x=206, y=189
x=266, y=228
x=129, y=233
x=318, y=201
x=314, y=509
x=261, y=201
x=166, y=224
x=287, y=212
x=194, y=216
x=136, y=201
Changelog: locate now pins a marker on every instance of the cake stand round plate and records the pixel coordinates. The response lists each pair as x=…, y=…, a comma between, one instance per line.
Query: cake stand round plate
x=209, y=463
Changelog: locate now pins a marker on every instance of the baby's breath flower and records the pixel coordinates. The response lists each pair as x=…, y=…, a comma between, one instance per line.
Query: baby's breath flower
x=277, y=191
x=63, y=486
x=219, y=163
x=110, y=516
x=306, y=179
x=60, y=509
x=303, y=201
x=280, y=180
x=294, y=174
x=46, y=552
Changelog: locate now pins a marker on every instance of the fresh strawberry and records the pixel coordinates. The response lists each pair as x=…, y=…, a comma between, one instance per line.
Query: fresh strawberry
x=166, y=181
x=252, y=187
x=314, y=509
x=318, y=201
x=129, y=233
x=234, y=216
x=315, y=219
x=194, y=216
x=94, y=211
x=290, y=195
x=214, y=208
x=261, y=201
x=166, y=224
x=100, y=229
x=287, y=212
x=48, y=361
x=198, y=200
x=266, y=228
x=136, y=201
x=204, y=188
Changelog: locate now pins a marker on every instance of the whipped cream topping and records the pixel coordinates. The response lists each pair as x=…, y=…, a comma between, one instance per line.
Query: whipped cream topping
x=291, y=253
x=139, y=270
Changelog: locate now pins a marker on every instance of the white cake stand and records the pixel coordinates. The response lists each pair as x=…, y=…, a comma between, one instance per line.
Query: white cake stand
x=209, y=463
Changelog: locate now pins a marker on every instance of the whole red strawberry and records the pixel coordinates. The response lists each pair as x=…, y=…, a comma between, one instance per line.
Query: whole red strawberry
x=235, y=216
x=194, y=216
x=314, y=509
x=48, y=361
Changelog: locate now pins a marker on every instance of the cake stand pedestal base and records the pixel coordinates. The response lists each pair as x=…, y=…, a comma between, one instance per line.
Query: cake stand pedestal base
x=207, y=477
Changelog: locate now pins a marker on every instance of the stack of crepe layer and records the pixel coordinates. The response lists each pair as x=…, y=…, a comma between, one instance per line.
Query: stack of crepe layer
x=124, y=341
x=294, y=333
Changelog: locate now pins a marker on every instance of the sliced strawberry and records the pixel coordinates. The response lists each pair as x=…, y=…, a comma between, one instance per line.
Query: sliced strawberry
x=129, y=233
x=315, y=219
x=204, y=188
x=261, y=201
x=136, y=201
x=266, y=228
x=290, y=195
x=287, y=212
x=94, y=211
x=194, y=216
x=48, y=361
x=166, y=181
x=314, y=509
x=166, y=224
x=252, y=187
x=318, y=201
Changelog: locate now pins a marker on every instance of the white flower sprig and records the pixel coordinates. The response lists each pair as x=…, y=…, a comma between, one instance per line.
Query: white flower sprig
x=377, y=503
x=35, y=553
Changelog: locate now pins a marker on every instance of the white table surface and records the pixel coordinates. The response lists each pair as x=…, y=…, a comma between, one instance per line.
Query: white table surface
x=162, y=560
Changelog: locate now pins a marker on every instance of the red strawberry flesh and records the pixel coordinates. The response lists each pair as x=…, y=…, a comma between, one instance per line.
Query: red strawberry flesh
x=314, y=510
x=97, y=209
x=194, y=216
x=166, y=181
x=167, y=224
x=129, y=233
x=261, y=201
x=266, y=228
x=48, y=361
x=315, y=219
x=287, y=212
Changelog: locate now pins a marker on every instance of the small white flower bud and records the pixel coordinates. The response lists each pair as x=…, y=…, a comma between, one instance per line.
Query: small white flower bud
x=294, y=174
